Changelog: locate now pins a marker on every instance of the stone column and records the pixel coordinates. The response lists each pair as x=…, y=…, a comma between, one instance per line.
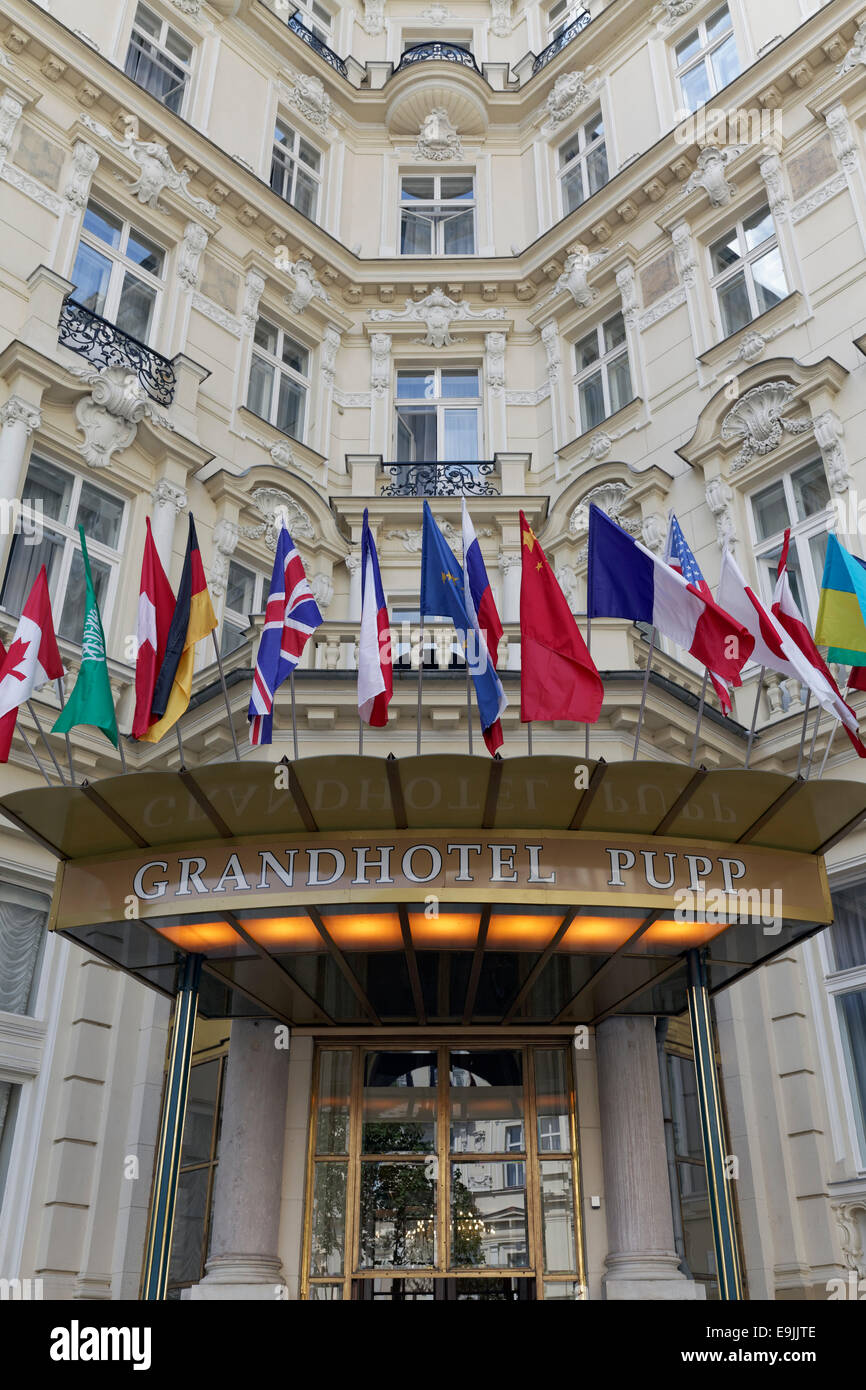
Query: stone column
x=244, y=1263
x=642, y=1262
x=168, y=500
x=18, y=419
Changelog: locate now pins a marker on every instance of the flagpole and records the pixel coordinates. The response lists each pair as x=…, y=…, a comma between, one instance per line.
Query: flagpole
x=755, y=716
x=121, y=752
x=68, y=743
x=529, y=736
x=180, y=744
x=589, y=653
x=703, y=702
x=646, y=676
x=812, y=744
x=294, y=716
x=360, y=734
x=35, y=756
x=827, y=749
x=35, y=717
x=225, y=694
x=468, y=696
x=420, y=685
x=803, y=732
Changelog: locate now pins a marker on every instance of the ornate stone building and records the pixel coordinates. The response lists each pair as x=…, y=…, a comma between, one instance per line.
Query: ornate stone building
x=261, y=260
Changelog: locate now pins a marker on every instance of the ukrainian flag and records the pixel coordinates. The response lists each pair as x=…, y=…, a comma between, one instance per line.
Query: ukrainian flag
x=841, y=622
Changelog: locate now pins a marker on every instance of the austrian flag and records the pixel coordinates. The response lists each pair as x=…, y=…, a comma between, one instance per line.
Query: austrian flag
x=32, y=659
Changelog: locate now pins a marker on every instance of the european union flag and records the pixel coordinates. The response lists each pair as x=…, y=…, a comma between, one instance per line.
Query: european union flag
x=442, y=596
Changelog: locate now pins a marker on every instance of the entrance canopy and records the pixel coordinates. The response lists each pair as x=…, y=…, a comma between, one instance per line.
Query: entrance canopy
x=359, y=891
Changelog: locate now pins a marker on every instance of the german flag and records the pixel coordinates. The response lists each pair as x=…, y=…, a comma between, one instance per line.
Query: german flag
x=193, y=619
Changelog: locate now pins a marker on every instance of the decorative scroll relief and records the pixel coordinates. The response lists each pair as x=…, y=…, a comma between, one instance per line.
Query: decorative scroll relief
x=276, y=506
x=195, y=239
x=759, y=421
x=662, y=308
x=225, y=540
x=710, y=173
x=501, y=22
x=85, y=162
x=720, y=500
x=856, y=55
x=156, y=171
x=438, y=138
x=109, y=417
x=578, y=264
x=307, y=286
x=10, y=114
x=308, y=95
x=611, y=498
x=570, y=91
x=217, y=314
x=373, y=22
x=818, y=197
x=437, y=313
x=528, y=397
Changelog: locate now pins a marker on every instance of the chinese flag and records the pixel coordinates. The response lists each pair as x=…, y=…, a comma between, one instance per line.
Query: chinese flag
x=558, y=678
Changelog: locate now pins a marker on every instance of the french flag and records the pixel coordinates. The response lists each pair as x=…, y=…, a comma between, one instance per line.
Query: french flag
x=626, y=580
x=481, y=607
x=375, y=661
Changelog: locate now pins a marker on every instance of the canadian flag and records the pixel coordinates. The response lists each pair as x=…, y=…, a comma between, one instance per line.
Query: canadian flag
x=155, y=610
x=787, y=613
x=32, y=659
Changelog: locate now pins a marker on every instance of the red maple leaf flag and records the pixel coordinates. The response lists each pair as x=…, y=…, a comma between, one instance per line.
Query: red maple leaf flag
x=7, y=723
x=558, y=677
x=32, y=659
x=155, y=612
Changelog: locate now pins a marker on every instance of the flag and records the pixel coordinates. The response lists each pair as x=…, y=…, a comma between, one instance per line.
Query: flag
x=481, y=607
x=91, y=701
x=788, y=615
x=558, y=677
x=443, y=596
x=192, y=620
x=627, y=581
x=32, y=658
x=680, y=558
x=291, y=617
x=375, y=662
x=841, y=624
x=7, y=723
x=155, y=609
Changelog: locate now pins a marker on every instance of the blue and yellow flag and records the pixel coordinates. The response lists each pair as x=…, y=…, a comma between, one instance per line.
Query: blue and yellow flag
x=841, y=624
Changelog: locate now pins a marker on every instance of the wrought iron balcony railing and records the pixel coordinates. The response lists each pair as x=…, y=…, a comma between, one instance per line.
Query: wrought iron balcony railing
x=562, y=40
x=465, y=479
x=307, y=36
x=437, y=51
x=106, y=345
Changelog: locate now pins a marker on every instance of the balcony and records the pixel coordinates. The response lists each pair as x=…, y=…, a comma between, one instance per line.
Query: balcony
x=458, y=479
x=105, y=345
x=561, y=41
x=438, y=52
x=315, y=43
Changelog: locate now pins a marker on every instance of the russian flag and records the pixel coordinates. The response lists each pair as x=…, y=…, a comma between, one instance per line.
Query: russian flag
x=375, y=662
x=481, y=608
x=627, y=581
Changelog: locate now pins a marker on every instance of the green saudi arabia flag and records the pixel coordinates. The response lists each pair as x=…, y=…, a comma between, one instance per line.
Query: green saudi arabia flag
x=90, y=701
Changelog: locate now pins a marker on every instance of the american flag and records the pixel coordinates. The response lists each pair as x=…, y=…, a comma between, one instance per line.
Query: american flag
x=680, y=558
x=291, y=617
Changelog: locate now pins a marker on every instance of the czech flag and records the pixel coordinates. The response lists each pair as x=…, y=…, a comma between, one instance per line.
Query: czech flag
x=627, y=581
x=481, y=607
x=375, y=661
x=193, y=619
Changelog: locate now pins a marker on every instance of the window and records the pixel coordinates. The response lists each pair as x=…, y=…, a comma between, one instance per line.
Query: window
x=67, y=501
x=244, y=596
x=603, y=378
x=118, y=272
x=198, y=1164
x=560, y=15
x=279, y=379
x=438, y=415
x=583, y=166
x=847, y=987
x=158, y=58
x=707, y=59
x=748, y=277
x=437, y=215
x=692, y=1221
x=23, y=918
x=798, y=499
x=316, y=18
x=295, y=169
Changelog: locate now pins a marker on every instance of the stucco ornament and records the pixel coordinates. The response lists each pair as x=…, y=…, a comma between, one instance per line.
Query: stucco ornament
x=10, y=114
x=109, y=417
x=494, y=363
x=501, y=22
x=328, y=355
x=311, y=99
x=195, y=239
x=380, y=365
x=373, y=22
x=322, y=586
x=567, y=580
x=276, y=507
x=612, y=498
x=720, y=500
x=225, y=540
x=570, y=91
x=85, y=162
x=307, y=287
x=654, y=532
x=156, y=171
x=254, y=288
x=710, y=174
x=578, y=264
x=758, y=419
x=828, y=436
x=437, y=313
x=438, y=138
x=436, y=14
x=856, y=54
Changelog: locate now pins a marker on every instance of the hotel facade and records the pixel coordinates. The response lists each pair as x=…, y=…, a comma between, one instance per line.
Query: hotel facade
x=267, y=261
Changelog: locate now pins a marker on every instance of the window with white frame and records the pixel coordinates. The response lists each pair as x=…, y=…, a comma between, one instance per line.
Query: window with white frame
x=67, y=501
x=799, y=499
x=603, y=380
x=437, y=215
x=159, y=59
x=438, y=415
x=279, y=379
x=317, y=18
x=707, y=59
x=560, y=15
x=583, y=167
x=846, y=984
x=246, y=594
x=296, y=169
x=748, y=276
x=119, y=272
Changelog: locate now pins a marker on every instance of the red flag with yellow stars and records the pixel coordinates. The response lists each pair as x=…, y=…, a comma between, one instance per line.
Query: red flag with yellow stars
x=558, y=677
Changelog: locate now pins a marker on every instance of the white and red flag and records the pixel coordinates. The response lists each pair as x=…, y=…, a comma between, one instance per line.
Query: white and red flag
x=375, y=659
x=680, y=558
x=776, y=648
x=787, y=613
x=155, y=612
x=32, y=659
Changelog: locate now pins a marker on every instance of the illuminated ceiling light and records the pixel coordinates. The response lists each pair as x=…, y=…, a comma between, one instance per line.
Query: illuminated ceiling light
x=450, y=931
x=201, y=937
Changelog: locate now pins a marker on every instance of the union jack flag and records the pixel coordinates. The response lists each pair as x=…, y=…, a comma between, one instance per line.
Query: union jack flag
x=291, y=617
x=680, y=558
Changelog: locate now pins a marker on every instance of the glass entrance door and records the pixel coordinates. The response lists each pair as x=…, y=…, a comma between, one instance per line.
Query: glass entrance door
x=443, y=1173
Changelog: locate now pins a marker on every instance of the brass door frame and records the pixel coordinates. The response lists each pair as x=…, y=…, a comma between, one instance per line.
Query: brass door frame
x=529, y=1156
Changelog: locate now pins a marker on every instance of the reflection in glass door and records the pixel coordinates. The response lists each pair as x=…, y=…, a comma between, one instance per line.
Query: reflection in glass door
x=443, y=1174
